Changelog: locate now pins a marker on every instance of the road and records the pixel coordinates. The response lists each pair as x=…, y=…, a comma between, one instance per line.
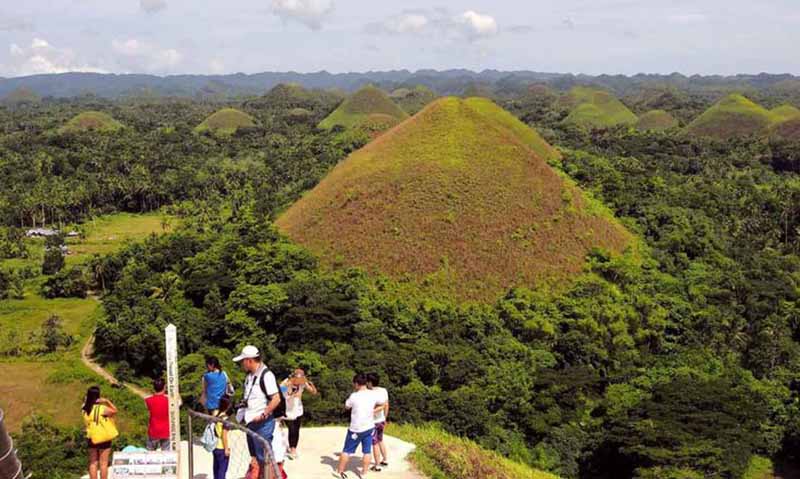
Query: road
x=87, y=356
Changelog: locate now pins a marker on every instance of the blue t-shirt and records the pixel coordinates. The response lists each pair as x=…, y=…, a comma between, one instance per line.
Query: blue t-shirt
x=216, y=385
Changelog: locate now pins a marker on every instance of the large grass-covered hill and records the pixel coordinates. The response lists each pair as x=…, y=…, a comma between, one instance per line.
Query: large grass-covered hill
x=733, y=116
x=360, y=106
x=656, y=120
x=412, y=100
x=460, y=200
x=91, y=121
x=226, y=122
x=595, y=108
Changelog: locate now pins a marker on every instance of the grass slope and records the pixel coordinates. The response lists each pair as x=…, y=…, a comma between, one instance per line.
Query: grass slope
x=594, y=108
x=440, y=455
x=20, y=96
x=359, y=106
x=731, y=117
x=786, y=130
x=656, y=120
x=91, y=121
x=226, y=122
x=457, y=200
x=784, y=113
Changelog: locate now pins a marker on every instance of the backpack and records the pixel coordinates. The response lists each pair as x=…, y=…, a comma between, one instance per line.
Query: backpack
x=209, y=439
x=280, y=411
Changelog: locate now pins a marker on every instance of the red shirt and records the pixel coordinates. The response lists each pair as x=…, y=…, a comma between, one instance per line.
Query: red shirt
x=158, y=405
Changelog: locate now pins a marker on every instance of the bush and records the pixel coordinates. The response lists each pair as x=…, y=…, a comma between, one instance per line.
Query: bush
x=52, y=336
x=53, y=260
x=72, y=283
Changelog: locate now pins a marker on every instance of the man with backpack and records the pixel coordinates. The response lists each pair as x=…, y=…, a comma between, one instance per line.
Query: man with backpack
x=262, y=404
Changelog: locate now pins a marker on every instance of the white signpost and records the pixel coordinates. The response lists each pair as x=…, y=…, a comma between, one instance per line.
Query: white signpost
x=173, y=391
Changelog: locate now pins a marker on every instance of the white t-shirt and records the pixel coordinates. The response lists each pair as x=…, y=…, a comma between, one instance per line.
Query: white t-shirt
x=383, y=397
x=280, y=442
x=256, y=400
x=362, y=406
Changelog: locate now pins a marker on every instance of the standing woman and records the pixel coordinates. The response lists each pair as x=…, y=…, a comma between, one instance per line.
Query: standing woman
x=295, y=386
x=215, y=385
x=98, y=415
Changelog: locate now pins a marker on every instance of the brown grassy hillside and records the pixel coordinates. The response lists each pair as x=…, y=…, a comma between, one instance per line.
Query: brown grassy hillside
x=457, y=200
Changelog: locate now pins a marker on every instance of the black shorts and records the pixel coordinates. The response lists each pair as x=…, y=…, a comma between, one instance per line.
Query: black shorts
x=100, y=447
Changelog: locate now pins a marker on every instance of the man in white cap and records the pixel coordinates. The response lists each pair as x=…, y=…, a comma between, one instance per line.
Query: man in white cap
x=261, y=398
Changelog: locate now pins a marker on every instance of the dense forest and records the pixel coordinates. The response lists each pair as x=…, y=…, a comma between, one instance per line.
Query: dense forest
x=681, y=362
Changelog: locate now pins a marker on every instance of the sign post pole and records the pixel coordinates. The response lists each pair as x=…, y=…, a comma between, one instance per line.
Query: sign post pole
x=173, y=392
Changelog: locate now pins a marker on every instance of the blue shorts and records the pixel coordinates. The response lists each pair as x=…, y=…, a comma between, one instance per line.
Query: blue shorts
x=264, y=429
x=353, y=439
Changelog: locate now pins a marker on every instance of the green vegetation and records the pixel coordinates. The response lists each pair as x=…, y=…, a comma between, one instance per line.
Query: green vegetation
x=594, y=108
x=413, y=100
x=759, y=468
x=21, y=96
x=428, y=199
x=784, y=113
x=440, y=455
x=91, y=121
x=656, y=120
x=226, y=122
x=733, y=116
x=786, y=130
x=357, y=107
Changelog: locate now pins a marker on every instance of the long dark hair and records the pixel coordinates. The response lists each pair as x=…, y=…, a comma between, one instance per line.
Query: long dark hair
x=92, y=395
x=213, y=362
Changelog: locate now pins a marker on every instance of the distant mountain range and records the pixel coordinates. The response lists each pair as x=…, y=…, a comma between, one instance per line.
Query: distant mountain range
x=442, y=82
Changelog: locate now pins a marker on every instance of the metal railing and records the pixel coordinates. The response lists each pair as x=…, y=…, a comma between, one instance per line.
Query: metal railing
x=10, y=467
x=268, y=454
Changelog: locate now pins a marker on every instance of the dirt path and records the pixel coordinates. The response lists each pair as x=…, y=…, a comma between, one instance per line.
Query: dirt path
x=87, y=354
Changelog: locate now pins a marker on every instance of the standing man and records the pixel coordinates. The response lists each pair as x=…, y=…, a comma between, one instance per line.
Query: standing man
x=381, y=416
x=362, y=404
x=158, y=429
x=261, y=398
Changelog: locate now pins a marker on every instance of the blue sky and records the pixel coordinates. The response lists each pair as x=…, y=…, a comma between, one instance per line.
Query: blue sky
x=228, y=36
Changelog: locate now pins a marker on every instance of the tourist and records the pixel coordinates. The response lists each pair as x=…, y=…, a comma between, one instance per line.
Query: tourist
x=381, y=416
x=158, y=430
x=280, y=446
x=216, y=384
x=362, y=404
x=98, y=415
x=261, y=398
x=295, y=386
x=222, y=453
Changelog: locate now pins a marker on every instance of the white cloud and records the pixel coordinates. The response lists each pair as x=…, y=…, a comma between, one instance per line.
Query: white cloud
x=406, y=22
x=478, y=25
x=310, y=13
x=152, y=6
x=687, y=18
x=146, y=56
x=41, y=57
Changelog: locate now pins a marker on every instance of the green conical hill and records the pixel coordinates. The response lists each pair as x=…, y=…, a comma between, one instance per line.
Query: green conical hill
x=784, y=112
x=226, y=122
x=456, y=200
x=412, y=100
x=733, y=116
x=355, y=109
x=656, y=120
x=595, y=108
x=91, y=121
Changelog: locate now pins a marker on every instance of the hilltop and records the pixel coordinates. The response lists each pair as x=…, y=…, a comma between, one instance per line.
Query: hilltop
x=735, y=115
x=226, y=122
x=356, y=109
x=784, y=113
x=595, y=108
x=412, y=100
x=91, y=121
x=458, y=200
x=656, y=120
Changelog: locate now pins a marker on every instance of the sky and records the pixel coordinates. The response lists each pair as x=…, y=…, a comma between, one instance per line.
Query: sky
x=567, y=36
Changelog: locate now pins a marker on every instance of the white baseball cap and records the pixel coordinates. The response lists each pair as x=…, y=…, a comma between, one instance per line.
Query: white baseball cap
x=248, y=352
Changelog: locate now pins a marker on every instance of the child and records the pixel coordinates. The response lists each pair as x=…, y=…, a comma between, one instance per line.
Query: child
x=222, y=454
x=279, y=446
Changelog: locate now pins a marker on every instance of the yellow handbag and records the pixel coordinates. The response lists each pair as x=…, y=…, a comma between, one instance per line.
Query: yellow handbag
x=99, y=428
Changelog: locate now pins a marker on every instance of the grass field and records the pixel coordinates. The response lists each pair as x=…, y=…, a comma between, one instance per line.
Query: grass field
x=226, y=122
x=356, y=109
x=457, y=200
x=656, y=120
x=595, y=108
x=91, y=120
x=53, y=384
x=443, y=456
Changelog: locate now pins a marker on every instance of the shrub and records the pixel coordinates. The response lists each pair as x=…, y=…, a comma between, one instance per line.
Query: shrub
x=71, y=283
x=53, y=261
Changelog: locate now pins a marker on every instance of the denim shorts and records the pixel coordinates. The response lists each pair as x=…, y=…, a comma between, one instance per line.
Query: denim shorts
x=353, y=439
x=265, y=429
